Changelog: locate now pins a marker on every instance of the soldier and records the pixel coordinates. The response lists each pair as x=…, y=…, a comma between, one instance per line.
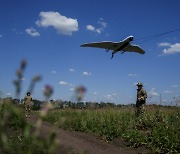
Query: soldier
x=141, y=99
x=27, y=103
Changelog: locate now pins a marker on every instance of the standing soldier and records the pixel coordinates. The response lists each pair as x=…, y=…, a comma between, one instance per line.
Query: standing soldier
x=141, y=99
x=27, y=103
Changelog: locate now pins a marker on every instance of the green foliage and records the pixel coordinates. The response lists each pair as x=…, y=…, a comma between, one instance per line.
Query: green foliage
x=17, y=136
x=158, y=129
x=14, y=117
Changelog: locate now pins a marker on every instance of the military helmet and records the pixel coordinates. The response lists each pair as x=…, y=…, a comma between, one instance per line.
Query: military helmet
x=28, y=93
x=139, y=84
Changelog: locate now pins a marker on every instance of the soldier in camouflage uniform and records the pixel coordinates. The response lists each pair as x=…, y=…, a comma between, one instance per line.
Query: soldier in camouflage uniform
x=27, y=103
x=141, y=99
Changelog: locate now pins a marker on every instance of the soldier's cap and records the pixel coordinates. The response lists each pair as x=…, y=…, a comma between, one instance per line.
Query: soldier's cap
x=28, y=93
x=139, y=84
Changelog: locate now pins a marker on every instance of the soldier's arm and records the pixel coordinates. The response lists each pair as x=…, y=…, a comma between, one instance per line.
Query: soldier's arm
x=144, y=94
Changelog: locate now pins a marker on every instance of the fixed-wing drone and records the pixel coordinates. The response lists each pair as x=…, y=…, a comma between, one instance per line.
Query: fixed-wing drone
x=123, y=46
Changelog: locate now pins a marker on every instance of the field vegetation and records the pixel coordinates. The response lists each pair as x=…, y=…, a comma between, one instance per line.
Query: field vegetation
x=17, y=136
x=158, y=129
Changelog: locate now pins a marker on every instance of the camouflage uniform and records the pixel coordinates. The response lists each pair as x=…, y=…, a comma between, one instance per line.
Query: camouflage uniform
x=27, y=103
x=141, y=100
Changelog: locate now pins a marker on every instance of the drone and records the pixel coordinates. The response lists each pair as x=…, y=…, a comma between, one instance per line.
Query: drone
x=122, y=46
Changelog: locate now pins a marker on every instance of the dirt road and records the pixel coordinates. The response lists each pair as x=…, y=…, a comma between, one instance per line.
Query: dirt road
x=77, y=142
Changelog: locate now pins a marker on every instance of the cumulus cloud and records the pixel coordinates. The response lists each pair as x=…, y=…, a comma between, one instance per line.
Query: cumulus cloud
x=8, y=94
x=135, y=83
x=102, y=26
x=71, y=70
x=171, y=48
x=86, y=73
x=167, y=92
x=31, y=31
x=23, y=79
x=102, y=23
x=62, y=24
x=153, y=93
x=110, y=97
x=174, y=48
x=133, y=75
x=90, y=27
x=65, y=83
x=93, y=29
x=164, y=44
x=175, y=86
x=53, y=72
x=72, y=89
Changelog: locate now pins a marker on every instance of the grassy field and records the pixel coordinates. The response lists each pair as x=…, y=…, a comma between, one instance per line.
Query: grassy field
x=158, y=129
x=17, y=136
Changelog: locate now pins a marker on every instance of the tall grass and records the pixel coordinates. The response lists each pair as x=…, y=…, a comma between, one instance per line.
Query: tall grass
x=158, y=129
x=17, y=136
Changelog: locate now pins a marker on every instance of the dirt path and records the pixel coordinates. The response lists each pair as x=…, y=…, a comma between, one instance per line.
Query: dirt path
x=78, y=142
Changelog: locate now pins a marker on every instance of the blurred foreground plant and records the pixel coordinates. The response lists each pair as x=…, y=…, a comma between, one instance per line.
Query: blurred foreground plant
x=20, y=75
x=17, y=136
x=20, y=78
x=80, y=91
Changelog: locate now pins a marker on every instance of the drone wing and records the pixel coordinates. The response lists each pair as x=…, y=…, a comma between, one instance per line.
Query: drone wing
x=135, y=48
x=104, y=45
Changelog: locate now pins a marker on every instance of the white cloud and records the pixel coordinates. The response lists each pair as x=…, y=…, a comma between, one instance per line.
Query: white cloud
x=31, y=31
x=95, y=93
x=167, y=92
x=53, y=72
x=164, y=44
x=8, y=94
x=62, y=24
x=17, y=31
x=153, y=93
x=65, y=83
x=174, y=48
x=71, y=70
x=135, y=83
x=23, y=79
x=102, y=26
x=102, y=23
x=1, y=35
x=72, y=89
x=93, y=29
x=86, y=73
x=90, y=27
x=133, y=75
x=175, y=86
x=109, y=97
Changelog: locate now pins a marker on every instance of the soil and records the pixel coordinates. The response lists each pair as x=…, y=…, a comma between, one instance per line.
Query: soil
x=72, y=142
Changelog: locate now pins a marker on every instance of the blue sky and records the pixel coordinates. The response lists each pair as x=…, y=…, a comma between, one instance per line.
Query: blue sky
x=48, y=34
